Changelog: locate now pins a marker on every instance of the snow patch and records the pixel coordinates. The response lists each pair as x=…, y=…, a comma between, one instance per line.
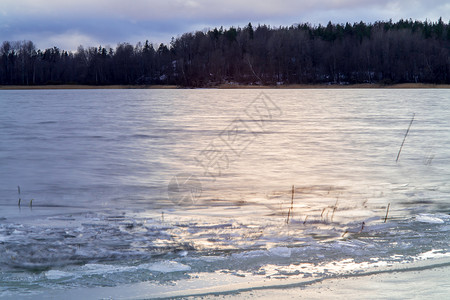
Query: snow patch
x=428, y=218
x=55, y=274
x=166, y=267
x=280, y=251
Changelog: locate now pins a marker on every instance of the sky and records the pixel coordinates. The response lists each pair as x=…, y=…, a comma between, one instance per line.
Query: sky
x=67, y=24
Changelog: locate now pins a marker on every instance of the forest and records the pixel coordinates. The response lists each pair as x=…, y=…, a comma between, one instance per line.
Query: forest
x=383, y=52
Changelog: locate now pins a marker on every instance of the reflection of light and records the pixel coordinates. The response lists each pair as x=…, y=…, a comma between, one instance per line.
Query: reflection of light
x=433, y=254
x=346, y=266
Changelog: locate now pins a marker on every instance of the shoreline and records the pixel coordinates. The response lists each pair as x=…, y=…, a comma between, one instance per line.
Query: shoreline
x=231, y=86
x=428, y=283
x=84, y=87
x=429, y=278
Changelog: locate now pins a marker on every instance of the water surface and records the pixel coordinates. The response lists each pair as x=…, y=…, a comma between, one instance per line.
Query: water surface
x=284, y=185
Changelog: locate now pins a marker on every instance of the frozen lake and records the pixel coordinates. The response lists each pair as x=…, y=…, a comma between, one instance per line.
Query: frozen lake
x=219, y=190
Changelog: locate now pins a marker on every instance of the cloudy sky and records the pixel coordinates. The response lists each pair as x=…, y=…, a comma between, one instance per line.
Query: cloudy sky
x=67, y=24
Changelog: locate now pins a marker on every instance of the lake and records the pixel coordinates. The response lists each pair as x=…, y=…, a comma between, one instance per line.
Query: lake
x=183, y=192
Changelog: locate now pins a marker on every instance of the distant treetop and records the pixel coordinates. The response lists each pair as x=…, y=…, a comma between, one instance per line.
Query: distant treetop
x=382, y=52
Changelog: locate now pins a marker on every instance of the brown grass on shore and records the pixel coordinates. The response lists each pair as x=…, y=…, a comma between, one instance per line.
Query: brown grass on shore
x=233, y=86
x=83, y=87
x=338, y=86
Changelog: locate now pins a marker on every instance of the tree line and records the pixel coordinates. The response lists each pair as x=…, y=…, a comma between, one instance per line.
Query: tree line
x=380, y=52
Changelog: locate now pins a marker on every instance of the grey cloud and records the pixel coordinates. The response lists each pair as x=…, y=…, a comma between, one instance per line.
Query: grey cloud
x=140, y=10
x=112, y=21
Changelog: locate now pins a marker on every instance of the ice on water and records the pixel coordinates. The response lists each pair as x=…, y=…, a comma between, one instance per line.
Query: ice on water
x=102, y=215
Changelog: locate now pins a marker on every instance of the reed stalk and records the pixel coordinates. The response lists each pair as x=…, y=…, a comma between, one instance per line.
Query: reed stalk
x=362, y=227
x=387, y=212
x=404, y=138
x=292, y=206
x=18, y=191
